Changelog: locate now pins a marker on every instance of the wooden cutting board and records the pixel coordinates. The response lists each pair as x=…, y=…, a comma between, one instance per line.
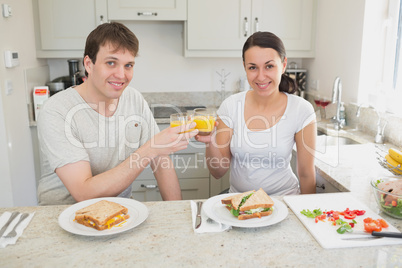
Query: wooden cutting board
x=325, y=233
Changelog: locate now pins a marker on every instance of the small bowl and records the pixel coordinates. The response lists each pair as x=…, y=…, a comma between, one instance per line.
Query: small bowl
x=387, y=200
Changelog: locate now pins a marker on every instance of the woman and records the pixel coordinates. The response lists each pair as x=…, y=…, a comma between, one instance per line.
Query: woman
x=257, y=129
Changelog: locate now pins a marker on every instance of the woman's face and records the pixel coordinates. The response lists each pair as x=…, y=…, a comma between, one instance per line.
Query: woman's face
x=264, y=69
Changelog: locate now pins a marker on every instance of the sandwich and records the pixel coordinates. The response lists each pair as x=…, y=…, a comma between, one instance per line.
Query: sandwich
x=102, y=215
x=248, y=205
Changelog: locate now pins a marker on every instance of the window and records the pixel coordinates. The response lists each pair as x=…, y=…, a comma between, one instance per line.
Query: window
x=392, y=73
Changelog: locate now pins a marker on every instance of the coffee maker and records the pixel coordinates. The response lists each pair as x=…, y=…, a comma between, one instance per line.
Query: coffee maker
x=74, y=73
x=74, y=78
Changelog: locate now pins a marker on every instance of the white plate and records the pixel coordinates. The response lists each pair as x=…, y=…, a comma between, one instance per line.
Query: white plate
x=138, y=213
x=217, y=211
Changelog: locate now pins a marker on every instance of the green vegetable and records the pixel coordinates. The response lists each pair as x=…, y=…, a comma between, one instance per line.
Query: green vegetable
x=237, y=212
x=395, y=210
x=344, y=226
x=378, y=182
x=311, y=214
x=390, y=209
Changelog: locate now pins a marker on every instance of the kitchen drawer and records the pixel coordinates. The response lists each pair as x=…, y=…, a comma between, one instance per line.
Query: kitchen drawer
x=188, y=165
x=147, y=190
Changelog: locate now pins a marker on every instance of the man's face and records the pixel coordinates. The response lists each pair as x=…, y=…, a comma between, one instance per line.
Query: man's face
x=111, y=73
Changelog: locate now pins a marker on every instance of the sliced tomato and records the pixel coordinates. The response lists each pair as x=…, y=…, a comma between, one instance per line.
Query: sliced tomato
x=383, y=223
x=320, y=218
x=350, y=216
x=372, y=226
x=359, y=212
x=368, y=220
x=335, y=215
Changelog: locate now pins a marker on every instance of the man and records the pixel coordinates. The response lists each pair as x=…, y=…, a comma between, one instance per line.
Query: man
x=95, y=138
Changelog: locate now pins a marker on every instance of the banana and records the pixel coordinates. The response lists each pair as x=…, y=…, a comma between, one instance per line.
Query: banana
x=393, y=164
x=396, y=155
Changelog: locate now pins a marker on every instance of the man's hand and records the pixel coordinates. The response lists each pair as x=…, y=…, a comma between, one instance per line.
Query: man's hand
x=172, y=139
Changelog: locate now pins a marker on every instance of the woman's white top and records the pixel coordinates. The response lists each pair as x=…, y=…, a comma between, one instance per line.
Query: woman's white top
x=261, y=159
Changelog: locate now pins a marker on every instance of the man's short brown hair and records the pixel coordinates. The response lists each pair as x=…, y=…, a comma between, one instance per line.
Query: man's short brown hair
x=114, y=33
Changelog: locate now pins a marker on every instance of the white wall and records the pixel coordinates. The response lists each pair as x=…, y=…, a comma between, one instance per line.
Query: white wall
x=18, y=176
x=338, y=47
x=350, y=43
x=162, y=67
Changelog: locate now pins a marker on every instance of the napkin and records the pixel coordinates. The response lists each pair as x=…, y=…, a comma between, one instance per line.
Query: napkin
x=20, y=228
x=206, y=227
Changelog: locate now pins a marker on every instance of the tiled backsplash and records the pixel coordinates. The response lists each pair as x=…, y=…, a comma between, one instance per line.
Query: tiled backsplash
x=207, y=98
x=368, y=119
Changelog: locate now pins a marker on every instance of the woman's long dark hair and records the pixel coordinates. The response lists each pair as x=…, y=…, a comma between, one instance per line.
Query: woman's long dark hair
x=270, y=40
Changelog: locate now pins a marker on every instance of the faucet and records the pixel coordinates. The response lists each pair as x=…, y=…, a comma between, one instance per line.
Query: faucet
x=336, y=98
x=379, y=136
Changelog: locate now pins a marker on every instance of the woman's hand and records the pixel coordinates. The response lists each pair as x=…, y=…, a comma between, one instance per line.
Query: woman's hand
x=208, y=138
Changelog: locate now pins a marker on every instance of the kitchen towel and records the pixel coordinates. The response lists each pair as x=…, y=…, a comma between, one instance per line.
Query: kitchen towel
x=4, y=241
x=206, y=227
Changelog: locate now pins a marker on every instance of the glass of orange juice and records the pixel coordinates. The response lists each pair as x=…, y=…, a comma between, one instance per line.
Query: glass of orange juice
x=205, y=120
x=180, y=119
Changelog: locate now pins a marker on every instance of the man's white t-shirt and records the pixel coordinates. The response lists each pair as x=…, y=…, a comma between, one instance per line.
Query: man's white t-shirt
x=69, y=131
x=261, y=159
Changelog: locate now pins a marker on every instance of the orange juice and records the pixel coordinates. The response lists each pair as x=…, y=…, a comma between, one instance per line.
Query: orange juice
x=205, y=124
x=177, y=123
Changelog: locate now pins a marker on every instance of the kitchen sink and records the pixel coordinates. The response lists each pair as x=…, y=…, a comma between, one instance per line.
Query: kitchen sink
x=325, y=140
x=164, y=111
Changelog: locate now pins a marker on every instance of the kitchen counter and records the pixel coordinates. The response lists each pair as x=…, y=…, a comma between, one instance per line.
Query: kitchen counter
x=167, y=239
x=351, y=167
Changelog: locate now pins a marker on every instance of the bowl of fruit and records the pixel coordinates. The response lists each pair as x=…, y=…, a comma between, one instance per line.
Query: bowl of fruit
x=388, y=194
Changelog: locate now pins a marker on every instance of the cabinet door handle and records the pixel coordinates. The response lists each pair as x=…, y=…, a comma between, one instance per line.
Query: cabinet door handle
x=245, y=26
x=101, y=19
x=149, y=186
x=147, y=13
x=257, y=25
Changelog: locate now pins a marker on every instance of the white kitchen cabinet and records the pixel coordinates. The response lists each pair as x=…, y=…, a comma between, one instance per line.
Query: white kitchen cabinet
x=218, y=185
x=323, y=186
x=147, y=190
x=221, y=31
x=175, y=10
x=62, y=26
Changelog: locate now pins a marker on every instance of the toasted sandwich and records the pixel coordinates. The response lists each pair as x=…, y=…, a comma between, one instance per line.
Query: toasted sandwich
x=248, y=205
x=102, y=215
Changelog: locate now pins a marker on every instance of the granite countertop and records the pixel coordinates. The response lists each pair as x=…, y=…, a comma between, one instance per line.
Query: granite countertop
x=167, y=239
